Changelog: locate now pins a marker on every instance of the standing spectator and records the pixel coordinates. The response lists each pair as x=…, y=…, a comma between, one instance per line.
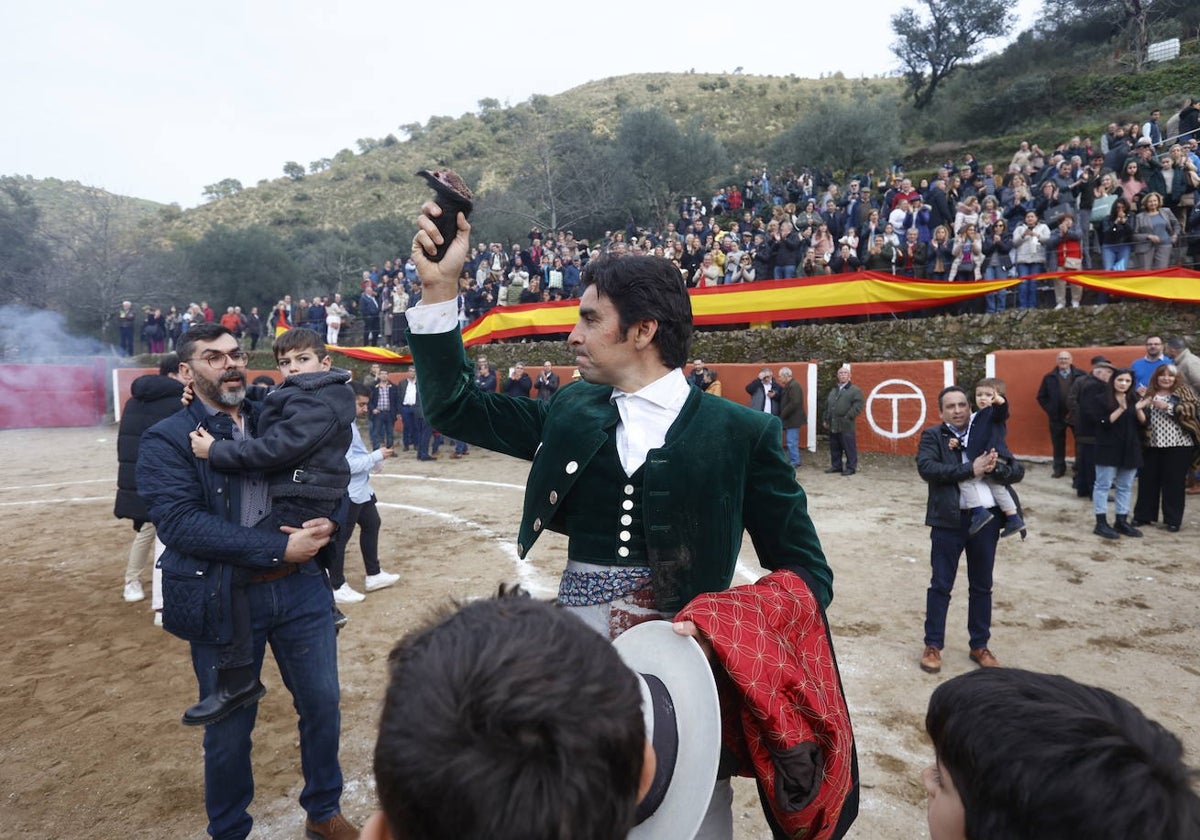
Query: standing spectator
x=154, y=331
x=280, y=319
x=413, y=414
x=764, y=393
x=1185, y=361
x=842, y=407
x=791, y=414
x=1143, y=368
x=335, y=317
x=1171, y=435
x=1155, y=232
x=788, y=251
x=363, y=511
x=1116, y=236
x=194, y=507
x=547, y=382
x=940, y=254
x=254, y=327
x=1029, y=257
x=1084, y=391
x=369, y=311
x=383, y=405
x=1118, y=415
x=942, y=462
x=1067, y=244
x=1052, y=396
x=151, y=398
x=1152, y=129
x=518, y=383
x=485, y=377
x=997, y=262
x=126, y=322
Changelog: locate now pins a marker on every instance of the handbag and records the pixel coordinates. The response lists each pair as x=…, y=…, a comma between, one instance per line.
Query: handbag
x=1073, y=263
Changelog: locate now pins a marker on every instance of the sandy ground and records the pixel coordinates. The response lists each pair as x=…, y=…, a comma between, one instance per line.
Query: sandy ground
x=91, y=692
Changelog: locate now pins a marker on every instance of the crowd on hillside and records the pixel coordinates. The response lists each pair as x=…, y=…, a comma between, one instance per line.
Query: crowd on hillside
x=1131, y=201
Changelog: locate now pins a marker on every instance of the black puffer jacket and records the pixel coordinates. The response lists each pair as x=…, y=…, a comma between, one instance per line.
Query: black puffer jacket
x=304, y=435
x=152, y=398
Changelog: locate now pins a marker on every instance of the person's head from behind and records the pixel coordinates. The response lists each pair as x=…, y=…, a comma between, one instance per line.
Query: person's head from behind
x=1042, y=757
x=631, y=309
x=986, y=391
x=301, y=350
x=362, y=397
x=508, y=719
x=168, y=365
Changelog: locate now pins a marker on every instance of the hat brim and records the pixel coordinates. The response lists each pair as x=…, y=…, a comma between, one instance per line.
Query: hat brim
x=653, y=647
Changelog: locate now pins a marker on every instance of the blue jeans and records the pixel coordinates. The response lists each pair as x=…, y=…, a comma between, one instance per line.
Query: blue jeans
x=792, y=436
x=1116, y=257
x=383, y=429
x=996, y=301
x=783, y=272
x=946, y=547
x=1027, y=291
x=294, y=614
x=1107, y=477
x=408, y=422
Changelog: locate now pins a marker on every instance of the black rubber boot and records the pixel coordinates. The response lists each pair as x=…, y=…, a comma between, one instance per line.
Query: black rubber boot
x=236, y=687
x=1103, y=529
x=1123, y=526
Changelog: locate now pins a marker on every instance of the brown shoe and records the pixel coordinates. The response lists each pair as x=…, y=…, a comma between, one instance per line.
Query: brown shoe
x=931, y=660
x=336, y=827
x=984, y=658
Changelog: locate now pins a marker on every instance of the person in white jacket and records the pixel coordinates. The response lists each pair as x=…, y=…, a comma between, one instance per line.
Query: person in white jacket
x=1029, y=257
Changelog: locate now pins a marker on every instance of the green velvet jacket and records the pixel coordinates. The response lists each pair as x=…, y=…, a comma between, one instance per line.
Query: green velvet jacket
x=721, y=470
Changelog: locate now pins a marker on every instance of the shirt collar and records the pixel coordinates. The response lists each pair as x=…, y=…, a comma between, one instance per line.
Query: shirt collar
x=668, y=391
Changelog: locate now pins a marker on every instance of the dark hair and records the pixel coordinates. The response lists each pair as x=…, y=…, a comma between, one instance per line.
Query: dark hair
x=359, y=389
x=168, y=364
x=208, y=331
x=649, y=288
x=1040, y=756
x=1111, y=393
x=950, y=388
x=509, y=719
x=299, y=338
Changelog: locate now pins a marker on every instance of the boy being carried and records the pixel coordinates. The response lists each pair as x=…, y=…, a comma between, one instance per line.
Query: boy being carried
x=987, y=431
x=303, y=436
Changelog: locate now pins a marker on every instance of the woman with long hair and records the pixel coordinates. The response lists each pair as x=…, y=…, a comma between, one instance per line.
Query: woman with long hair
x=1170, y=439
x=1116, y=237
x=1132, y=184
x=1118, y=415
x=941, y=254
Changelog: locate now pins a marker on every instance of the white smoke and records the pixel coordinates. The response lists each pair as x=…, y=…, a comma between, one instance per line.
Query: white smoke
x=40, y=336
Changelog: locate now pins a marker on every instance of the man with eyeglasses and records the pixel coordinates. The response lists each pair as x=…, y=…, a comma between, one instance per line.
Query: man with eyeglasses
x=205, y=518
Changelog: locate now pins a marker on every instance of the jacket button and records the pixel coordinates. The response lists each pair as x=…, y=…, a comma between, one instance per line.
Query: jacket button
x=627, y=504
x=537, y=525
x=572, y=467
x=553, y=497
x=625, y=536
x=626, y=519
x=622, y=552
x=628, y=489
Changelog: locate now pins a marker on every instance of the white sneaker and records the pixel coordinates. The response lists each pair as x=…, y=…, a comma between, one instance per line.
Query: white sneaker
x=1074, y=304
x=133, y=591
x=345, y=595
x=158, y=618
x=1060, y=306
x=380, y=581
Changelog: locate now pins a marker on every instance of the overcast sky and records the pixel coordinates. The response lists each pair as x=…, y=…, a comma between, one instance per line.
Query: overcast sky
x=155, y=100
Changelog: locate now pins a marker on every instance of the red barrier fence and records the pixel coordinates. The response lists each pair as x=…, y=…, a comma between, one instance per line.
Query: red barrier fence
x=33, y=396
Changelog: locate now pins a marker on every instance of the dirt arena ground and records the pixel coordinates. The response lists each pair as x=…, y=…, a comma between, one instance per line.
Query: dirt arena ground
x=91, y=692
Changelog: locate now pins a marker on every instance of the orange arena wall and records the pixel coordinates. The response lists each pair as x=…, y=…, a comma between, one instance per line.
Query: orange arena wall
x=1022, y=372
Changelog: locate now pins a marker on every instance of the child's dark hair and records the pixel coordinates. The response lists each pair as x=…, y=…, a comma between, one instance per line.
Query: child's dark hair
x=509, y=719
x=299, y=338
x=1042, y=757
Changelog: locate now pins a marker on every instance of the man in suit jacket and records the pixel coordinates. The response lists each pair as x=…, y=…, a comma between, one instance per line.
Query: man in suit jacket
x=764, y=393
x=547, y=382
x=382, y=409
x=942, y=463
x=1052, y=397
x=412, y=414
x=791, y=413
x=843, y=405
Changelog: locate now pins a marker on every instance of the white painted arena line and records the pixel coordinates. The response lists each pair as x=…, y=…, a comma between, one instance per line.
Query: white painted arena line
x=431, y=478
x=58, y=501
x=112, y=480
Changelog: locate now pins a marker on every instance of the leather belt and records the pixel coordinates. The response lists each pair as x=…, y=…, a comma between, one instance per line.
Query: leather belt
x=275, y=574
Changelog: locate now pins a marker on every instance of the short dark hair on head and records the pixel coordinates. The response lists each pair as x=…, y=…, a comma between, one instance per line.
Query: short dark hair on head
x=168, y=364
x=208, y=331
x=299, y=338
x=509, y=719
x=359, y=389
x=1040, y=756
x=648, y=288
x=949, y=389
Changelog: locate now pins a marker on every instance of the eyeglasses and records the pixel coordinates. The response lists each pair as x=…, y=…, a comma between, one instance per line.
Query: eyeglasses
x=218, y=360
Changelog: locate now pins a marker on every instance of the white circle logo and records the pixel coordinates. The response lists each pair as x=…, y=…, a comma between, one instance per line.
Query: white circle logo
x=888, y=404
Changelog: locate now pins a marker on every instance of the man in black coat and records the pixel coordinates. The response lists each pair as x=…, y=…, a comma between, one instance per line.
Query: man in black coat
x=1084, y=390
x=152, y=398
x=1052, y=396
